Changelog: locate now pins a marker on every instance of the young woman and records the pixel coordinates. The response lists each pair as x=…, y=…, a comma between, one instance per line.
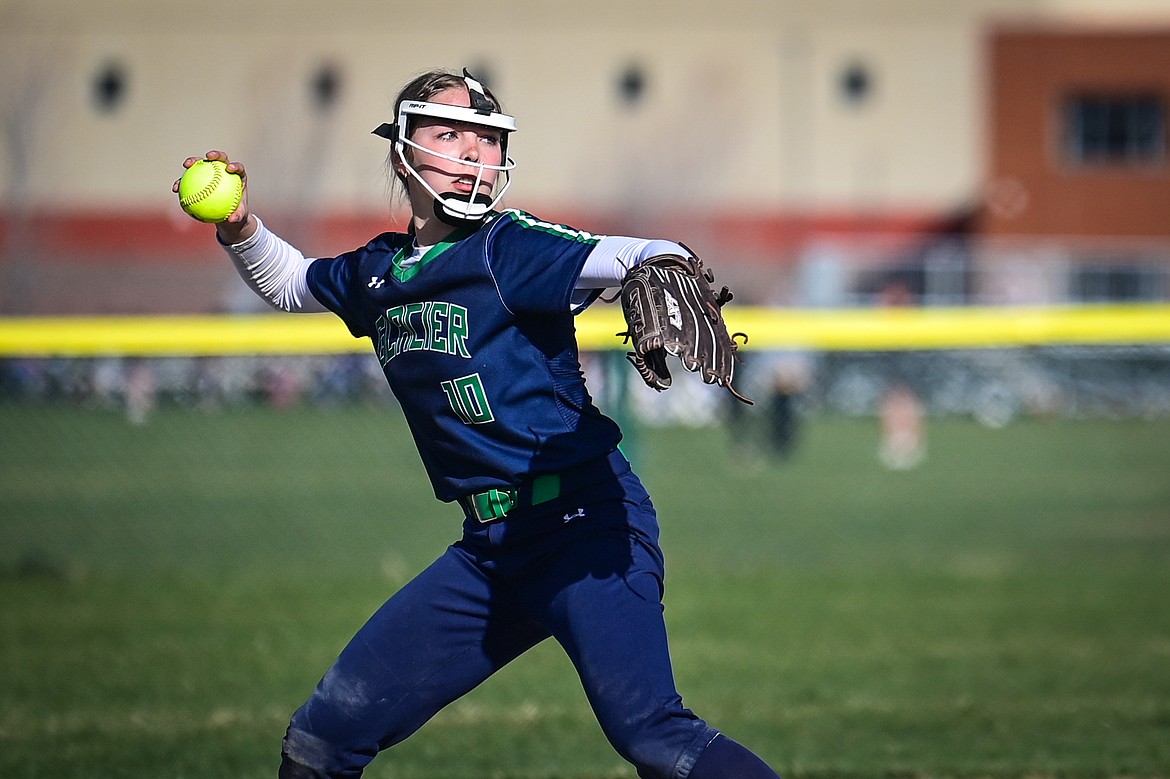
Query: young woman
x=470, y=313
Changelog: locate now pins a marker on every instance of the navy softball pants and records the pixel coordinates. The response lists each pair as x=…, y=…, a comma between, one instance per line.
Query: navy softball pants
x=584, y=568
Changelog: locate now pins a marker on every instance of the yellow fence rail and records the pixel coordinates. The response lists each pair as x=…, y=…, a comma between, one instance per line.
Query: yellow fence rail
x=827, y=330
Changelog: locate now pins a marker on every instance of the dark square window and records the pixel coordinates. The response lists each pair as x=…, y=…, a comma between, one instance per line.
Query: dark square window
x=1115, y=129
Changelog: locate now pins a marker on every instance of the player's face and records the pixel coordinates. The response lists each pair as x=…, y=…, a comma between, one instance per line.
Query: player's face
x=458, y=140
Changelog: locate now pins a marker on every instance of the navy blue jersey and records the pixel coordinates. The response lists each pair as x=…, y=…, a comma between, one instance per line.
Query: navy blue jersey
x=478, y=345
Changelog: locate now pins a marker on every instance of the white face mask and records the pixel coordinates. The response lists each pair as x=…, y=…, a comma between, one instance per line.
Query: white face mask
x=482, y=113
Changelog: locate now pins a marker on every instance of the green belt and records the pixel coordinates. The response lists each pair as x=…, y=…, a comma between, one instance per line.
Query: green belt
x=495, y=503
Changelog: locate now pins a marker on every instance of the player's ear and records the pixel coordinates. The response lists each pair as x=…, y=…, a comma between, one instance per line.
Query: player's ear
x=398, y=165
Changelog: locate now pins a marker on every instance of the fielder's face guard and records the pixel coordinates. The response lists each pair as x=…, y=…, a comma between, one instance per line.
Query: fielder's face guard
x=483, y=113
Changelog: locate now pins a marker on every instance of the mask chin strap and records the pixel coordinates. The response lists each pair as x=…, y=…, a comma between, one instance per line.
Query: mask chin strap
x=451, y=207
x=456, y=210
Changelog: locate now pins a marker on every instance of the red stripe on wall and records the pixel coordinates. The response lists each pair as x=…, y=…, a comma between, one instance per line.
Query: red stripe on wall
x=93, y=237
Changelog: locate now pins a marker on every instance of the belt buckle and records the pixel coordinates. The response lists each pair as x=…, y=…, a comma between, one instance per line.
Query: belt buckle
x=493, y=504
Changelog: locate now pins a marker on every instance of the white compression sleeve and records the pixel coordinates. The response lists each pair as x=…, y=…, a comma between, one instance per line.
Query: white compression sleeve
x=613, y=255
x=275, y=270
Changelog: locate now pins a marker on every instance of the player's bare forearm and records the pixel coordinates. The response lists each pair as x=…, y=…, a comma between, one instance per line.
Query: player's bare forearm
x=234, y=232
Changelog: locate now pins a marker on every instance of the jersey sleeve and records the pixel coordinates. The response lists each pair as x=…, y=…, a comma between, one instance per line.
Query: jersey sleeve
x=535, y=264
x=338, y=283
x=330, y=280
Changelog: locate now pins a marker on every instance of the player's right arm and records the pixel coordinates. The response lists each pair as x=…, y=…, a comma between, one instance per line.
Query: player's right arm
x=272, y=267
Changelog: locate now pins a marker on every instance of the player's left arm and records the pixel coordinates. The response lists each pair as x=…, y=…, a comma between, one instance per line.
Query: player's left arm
x=615, y=255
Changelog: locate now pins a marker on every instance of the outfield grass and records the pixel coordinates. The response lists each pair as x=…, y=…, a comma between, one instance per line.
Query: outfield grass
x=1000, y=611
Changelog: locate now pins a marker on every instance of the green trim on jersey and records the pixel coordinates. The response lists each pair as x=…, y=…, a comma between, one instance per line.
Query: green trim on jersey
x=573, y=234
x=403, y=275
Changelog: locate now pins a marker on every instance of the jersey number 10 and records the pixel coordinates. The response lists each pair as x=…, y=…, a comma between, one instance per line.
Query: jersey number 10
x=468, y=400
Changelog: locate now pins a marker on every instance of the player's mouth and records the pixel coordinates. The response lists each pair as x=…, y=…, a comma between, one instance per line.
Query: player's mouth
x=465, y=184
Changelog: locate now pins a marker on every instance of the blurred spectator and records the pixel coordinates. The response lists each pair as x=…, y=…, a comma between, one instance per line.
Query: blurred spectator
x=777, y=381
x=140, y=391
x=903, y=440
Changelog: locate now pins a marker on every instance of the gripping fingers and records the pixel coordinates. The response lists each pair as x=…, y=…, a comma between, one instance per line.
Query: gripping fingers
x=232, y=167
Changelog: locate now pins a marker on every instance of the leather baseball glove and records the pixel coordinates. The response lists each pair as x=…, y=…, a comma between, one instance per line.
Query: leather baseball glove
x=671, y=309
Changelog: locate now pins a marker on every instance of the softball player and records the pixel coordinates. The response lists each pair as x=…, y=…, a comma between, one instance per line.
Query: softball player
x=470, y=313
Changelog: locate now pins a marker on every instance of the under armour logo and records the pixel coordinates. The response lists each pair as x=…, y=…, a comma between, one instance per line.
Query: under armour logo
x=375, y=282
x=578, y=515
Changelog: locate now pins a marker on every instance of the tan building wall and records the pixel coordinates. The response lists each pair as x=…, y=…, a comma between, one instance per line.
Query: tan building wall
x=742, y=105
x=745, y=142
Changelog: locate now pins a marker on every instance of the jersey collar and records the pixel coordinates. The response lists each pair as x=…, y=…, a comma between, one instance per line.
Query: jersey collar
x=403, y=274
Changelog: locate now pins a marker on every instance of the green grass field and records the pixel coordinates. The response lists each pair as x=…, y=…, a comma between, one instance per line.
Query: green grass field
x=1001, y=611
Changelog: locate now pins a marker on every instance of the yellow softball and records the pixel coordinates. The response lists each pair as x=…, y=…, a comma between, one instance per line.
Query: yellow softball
x=208, y=192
